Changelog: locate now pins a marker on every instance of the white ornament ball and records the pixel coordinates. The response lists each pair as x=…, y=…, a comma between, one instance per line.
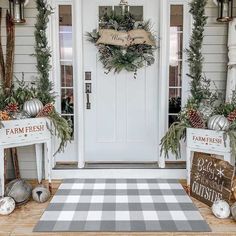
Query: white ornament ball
x=40, y=194
x=221, y=209
x=7, y=206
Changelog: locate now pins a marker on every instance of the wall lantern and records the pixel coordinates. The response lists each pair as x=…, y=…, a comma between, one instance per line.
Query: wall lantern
x=17, y=10
x=225, y=10
x=125, y=6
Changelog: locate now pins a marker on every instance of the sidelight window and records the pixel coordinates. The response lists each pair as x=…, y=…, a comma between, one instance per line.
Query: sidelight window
x=175, y=61
x=66, y=63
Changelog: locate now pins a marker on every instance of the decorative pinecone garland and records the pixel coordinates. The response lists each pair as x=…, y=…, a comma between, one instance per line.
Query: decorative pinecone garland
x=12, y=107
x=232, y=116
x=195, y=119
x=46, y=111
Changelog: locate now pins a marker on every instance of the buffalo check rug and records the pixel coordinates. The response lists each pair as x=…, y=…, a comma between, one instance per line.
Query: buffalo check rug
x=116, y=205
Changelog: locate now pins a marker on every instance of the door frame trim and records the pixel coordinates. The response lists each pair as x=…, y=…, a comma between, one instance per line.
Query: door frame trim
x=79, y=73
x=162, y=124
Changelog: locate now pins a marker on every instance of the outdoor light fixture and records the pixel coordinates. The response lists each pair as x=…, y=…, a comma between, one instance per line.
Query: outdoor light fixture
x=17, y=10
x=125, y=5
x=225, y=10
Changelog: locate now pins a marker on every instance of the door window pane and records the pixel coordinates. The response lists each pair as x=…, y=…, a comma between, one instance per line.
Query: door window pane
x=66, y=63
x=137, y=12
x=175, y=61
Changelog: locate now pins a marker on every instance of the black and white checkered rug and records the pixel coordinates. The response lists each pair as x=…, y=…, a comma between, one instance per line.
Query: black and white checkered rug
x=110, y=205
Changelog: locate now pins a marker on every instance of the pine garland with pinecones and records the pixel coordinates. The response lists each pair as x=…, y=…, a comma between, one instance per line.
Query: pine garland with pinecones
x=199, y=85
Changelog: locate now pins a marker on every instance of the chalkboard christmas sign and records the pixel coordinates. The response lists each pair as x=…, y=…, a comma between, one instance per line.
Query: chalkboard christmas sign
x=211, y=178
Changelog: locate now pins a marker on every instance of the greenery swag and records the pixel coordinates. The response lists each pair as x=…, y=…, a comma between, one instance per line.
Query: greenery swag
x=118, y=58
x=201, y=95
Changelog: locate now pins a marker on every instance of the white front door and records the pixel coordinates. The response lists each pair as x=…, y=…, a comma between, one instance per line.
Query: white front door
x=121, y=124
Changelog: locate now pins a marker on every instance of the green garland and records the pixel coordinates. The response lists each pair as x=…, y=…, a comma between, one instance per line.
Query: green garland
x=119, y=58
x=43, y=52
x=45, y=87
x=199, y=86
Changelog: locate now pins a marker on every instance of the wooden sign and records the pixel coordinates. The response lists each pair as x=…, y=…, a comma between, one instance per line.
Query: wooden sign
x=24, y=130
x=206, y=139
x=211, y=179
x=125, y=39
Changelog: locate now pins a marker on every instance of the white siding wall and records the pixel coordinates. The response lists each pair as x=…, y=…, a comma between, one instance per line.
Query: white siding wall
x=214, y=50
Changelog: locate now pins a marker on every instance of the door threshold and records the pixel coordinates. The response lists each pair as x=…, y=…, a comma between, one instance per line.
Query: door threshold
x=119, y=173
x=69, y=166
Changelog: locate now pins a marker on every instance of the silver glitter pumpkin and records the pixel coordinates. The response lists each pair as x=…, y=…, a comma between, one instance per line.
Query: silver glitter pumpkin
x=33, y=107
x=218, y=122
x=19, y=190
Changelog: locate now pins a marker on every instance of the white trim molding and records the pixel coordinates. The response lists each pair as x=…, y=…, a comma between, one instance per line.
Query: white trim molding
x=231, y=79
x=79, y=75
x=120, y=173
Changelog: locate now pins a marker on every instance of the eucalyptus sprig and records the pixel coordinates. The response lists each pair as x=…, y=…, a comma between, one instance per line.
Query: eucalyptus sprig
x=171, y=142
x=61, y=129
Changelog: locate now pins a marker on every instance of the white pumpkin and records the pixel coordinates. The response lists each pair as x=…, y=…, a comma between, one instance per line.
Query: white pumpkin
x=221, y=209
x=218, y=122
x=33, y=107
x=40, y=194
x=7, y=206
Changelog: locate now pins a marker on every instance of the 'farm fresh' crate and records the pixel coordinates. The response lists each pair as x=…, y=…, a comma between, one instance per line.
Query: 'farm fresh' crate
x=17, y=133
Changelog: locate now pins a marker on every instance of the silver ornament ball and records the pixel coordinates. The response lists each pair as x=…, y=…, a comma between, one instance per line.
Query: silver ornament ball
x=218, y=122
x=33, y=107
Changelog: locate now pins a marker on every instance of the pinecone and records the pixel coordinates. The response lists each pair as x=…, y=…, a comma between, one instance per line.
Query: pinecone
x=4, y=115
x=195, y=119
x=232, y=116
x=12, y=107
x=46, y=111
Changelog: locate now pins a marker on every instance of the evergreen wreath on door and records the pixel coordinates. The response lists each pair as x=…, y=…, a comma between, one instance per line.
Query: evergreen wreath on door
x=124, y=44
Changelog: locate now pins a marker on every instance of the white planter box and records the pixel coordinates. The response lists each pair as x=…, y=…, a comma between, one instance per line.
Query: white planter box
x=35, y=131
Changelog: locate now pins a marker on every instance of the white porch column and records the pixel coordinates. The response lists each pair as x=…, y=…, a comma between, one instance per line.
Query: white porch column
x=231, y=80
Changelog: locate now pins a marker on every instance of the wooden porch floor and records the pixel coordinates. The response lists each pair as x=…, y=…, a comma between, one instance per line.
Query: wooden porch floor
x=24, y=218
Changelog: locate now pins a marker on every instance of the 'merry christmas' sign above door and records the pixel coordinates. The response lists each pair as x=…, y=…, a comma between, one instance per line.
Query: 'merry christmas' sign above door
x=125, y=39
